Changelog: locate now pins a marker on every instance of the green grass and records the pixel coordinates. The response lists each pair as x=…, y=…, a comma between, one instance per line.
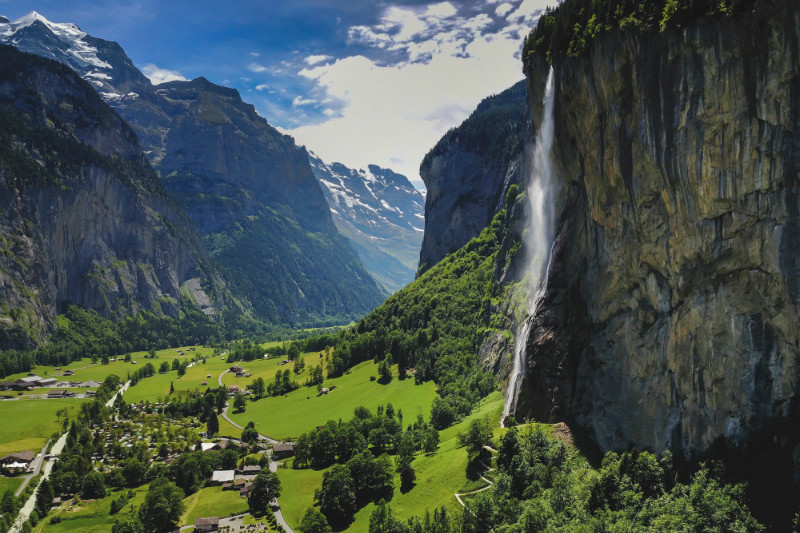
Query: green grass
x=28, y=423
x=91, y=516
x=157, y=386
x=301, y=410
x=212, y=501
x=266, y=368
x=226, y=429
x=439, y=477
x=9, y=483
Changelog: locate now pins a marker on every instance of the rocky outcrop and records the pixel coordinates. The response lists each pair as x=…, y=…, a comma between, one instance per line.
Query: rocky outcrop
x=467, y=173
x=380, y=213
x=672, y=318
x=248, y=188
x=83, y=218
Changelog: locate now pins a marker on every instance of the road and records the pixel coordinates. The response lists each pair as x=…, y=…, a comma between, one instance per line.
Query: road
x=273, y=465
x=55, y=451
x=27, y=509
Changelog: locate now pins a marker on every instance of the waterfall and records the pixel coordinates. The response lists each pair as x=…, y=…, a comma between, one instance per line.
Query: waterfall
x=538, y=238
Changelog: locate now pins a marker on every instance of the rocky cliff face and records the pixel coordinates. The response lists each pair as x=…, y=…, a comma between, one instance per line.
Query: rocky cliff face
x=249, y=189
x=672, y=315
x=467, y=173
x=380, y=213
x=84, y=219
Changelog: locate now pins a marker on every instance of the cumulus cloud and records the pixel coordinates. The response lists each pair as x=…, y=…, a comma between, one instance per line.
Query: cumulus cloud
x=316, y=59
x=421, y=71
x=159, y=75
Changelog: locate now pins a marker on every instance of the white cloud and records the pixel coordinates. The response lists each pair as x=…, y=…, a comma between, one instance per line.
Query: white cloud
x=257, y=68
x=313, y=60
x=391, y=114
x=300, y=101
x=161, y=75
x=503, y=9
x=263, y=87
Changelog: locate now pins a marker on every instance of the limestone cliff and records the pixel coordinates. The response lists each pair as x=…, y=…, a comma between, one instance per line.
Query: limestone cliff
x=83, y=218
x=467, y=172
x=672, y=317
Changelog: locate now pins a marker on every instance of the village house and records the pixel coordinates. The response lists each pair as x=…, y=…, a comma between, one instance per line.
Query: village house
x=222, y=476
x=56, y=393
x=207, y=524
x=282, y=450
x=18, y=461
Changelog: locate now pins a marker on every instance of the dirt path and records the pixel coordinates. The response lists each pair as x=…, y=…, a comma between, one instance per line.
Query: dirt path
x=489, y=482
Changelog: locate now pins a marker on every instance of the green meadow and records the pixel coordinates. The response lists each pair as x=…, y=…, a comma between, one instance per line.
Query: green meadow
x=212, y=501
x=9, y=483
x=158, y=385
x=90, y=516
x=439, y=476
x=288, y=416
x=29, y=423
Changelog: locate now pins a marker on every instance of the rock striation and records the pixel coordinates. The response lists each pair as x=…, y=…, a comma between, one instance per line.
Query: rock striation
x=249, y=189
x=83, y=218
x=468, y=172
x=672, y=317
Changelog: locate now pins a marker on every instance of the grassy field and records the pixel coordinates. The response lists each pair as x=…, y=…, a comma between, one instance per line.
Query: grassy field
x=212, y=501
x=28, y=423
x=439, y=477
x=300, y=411
x=157, y=386
x=267, y=368
x=91, y=516
x=9, y=483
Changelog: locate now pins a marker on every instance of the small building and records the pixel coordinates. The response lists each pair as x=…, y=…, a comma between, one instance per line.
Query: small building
x=244, y=492
x=222, y=476
x=31, y=380
x=48, y=382
x=283, y=450
x=13, y=385
x=204, y=383
x=62, y=393
x=251, y=470
x=210, y=523
x=324, y=390
x=69, y=373
x=89, y=384
x=17, y=461
x=237, y=370
x=208, y=446
x=56, y=502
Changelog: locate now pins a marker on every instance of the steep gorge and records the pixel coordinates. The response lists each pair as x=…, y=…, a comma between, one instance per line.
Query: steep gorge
x=672, y=315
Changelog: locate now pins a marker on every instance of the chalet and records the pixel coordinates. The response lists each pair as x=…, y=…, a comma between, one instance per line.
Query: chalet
x=208, y=446
x=48, y=382
x=56, y=393
x=222, y=476
x=233, y=390
x=251, y=470
x=13, y=385
x=237, y=370
x=240, y=374
x=283, y=450
x=207, y=524
x=69, y=373
x=244, y=492
x=31, y=380
x=18, y=461
x=324, y=390
x=56, y=502
x=204, y=383
x=90, y=393
x=89, y=384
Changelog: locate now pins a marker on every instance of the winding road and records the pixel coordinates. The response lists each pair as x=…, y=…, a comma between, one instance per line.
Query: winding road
x=273, y=465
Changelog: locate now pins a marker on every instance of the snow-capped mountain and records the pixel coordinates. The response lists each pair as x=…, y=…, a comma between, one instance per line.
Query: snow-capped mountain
x=382, y=215
x=102, y=63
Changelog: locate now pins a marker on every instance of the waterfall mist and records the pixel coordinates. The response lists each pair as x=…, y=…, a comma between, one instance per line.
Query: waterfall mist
x=538, y=241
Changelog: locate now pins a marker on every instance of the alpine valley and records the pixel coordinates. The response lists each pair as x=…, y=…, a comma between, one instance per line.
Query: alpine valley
x=590, y=320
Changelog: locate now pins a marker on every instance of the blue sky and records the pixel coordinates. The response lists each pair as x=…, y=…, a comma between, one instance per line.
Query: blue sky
x=356, y=81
